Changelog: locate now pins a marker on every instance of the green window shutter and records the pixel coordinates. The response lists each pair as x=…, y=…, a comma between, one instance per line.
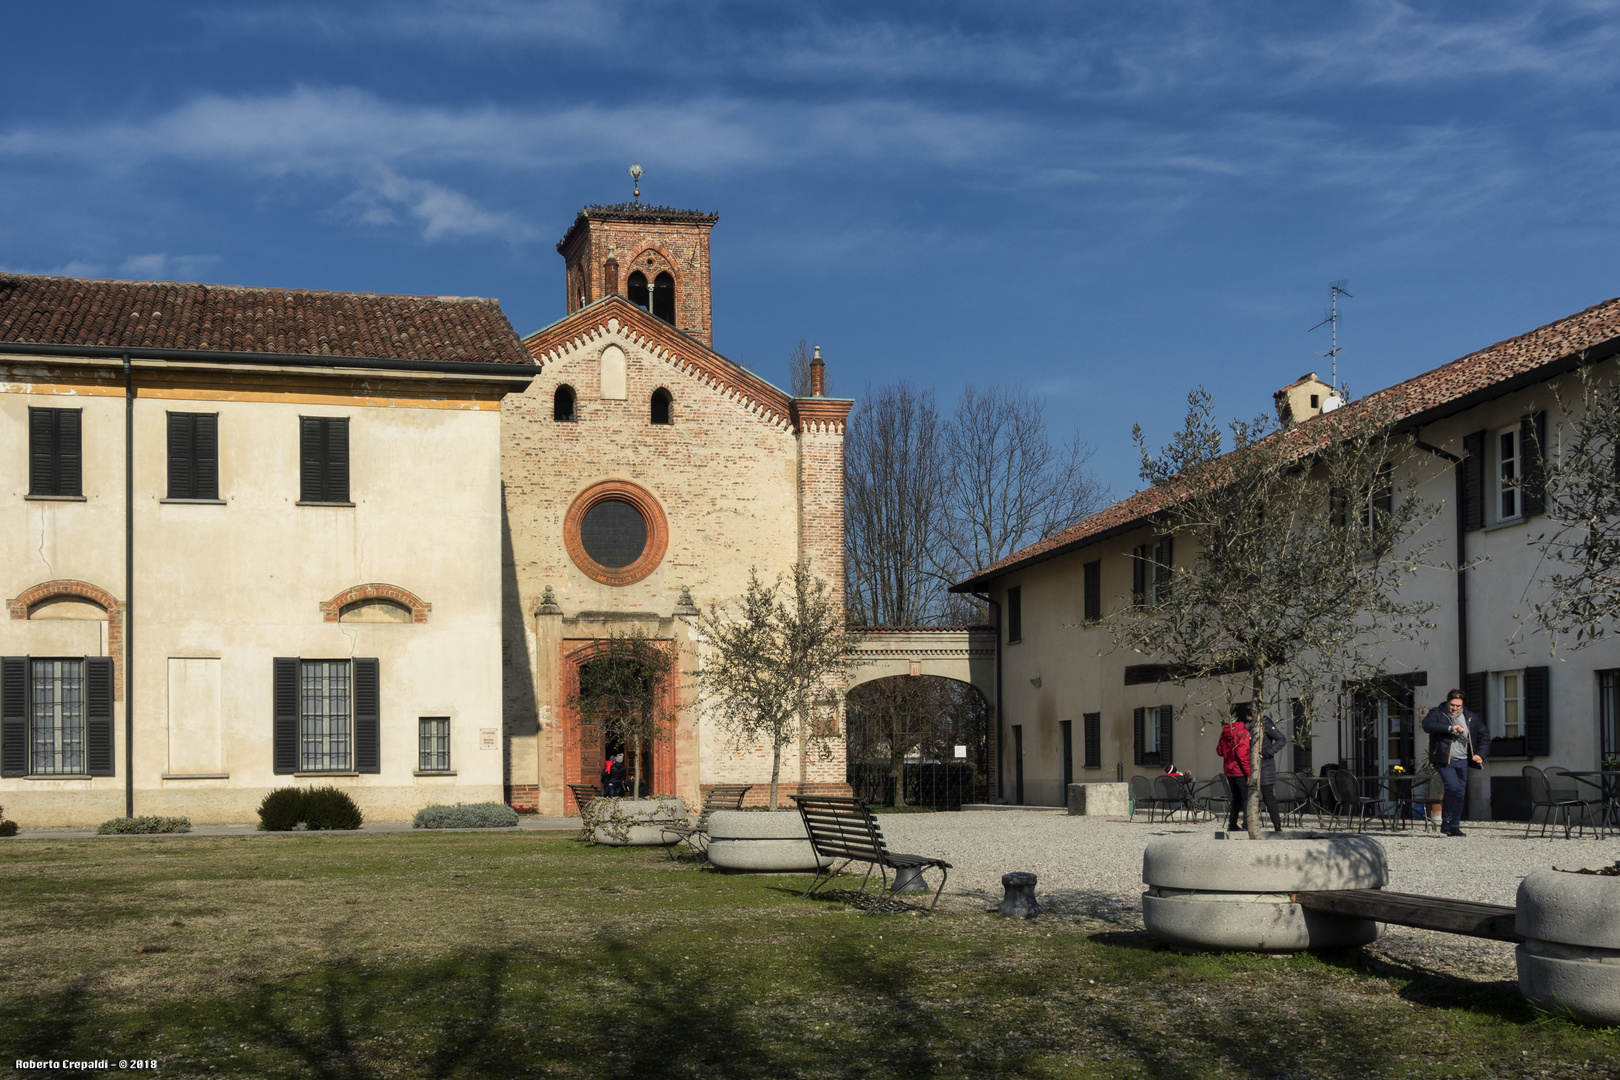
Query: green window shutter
x=1093, y=736
x=1537, y=713
x=14, y=716
x=1167, y=715
x=1471, y=482
x=182, y=434
x=337, y=459
x=1139, y=565
x=284, y=695
x=205, y=459
x=367, y=717
x=1532, y=439
x=98, y=716
x=69, y=453
x=1136, y=748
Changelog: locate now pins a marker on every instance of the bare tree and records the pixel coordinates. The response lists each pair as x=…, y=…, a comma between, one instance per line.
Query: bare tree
x=1581, y=496
x=1299, y=547
x=799, y=371
x=764, y=669
x=894, y=500
x=1009, y=485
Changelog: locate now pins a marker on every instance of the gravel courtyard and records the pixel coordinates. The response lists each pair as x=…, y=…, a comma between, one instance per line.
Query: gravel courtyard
x=1093, y=866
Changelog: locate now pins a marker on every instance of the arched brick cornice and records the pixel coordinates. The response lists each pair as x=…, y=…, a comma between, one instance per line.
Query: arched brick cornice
x=82, y=590
x=376, y=590
x=50, y=590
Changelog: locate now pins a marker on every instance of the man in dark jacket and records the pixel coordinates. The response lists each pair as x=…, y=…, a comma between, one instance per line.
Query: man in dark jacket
x=1273, y=741
x=1457, y=742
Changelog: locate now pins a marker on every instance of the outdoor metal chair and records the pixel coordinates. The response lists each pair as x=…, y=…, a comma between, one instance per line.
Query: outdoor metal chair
x=1212, y=796
x=1551, y=801
x=696, y=835
x=1142, y=798
x=1172, y=797
x=1590, y=799
x=1348, y=799
x=584, y=795
x=1293, y=798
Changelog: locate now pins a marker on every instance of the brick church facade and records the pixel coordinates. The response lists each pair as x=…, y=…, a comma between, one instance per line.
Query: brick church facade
x=644, y=476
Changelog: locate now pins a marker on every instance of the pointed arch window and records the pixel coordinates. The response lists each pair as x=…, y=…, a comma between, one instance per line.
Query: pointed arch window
x=663, y=406
x=635, y=288
x=663, y=297
x=562, y=404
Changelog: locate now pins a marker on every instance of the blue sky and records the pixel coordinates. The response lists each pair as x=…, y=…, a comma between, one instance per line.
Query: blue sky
x=1109, y=203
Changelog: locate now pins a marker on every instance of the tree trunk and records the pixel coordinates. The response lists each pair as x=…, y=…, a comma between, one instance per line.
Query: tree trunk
x=776, y=769
x=1256, y=737
x=635, y=781
x=897, y=752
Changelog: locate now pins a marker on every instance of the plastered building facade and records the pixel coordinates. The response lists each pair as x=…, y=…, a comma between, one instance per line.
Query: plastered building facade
x=635, y=414
x=273, y=638
x=1099, y=713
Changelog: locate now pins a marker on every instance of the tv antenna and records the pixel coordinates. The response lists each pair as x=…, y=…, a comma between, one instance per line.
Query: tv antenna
x=635, y=182
x=1336, y=289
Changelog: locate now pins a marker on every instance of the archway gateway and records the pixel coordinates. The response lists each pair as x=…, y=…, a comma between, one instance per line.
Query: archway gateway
x=586, y=744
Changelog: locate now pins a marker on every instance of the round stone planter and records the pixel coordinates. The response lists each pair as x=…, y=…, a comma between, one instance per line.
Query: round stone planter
x=1570, y=960
x=1236, y=894
x=636, y=822
x=770, y=842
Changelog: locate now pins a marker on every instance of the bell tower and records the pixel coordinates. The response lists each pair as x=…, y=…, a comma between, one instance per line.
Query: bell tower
x=654, y=256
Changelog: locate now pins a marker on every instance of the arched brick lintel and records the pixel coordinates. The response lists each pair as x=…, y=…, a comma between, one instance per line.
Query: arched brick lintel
x=83, y=590
x=376, y=590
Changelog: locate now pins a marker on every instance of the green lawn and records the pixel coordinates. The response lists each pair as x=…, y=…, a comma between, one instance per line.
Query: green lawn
x=531, y=954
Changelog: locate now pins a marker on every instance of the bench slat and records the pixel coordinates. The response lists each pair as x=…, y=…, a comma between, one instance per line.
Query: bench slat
x=1468, y=917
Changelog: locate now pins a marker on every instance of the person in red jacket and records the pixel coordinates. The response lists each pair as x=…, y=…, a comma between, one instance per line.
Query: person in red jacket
x=1233, y=746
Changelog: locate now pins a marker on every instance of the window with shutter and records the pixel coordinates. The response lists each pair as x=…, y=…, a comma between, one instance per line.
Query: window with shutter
x=1140, y=556
x=323, y=459
x=98, y=710
x=1093, y=736
x=194, y=456
x=1471, y=482
x=14, y=716
x=1066, y=731
x=1093, y=599
x=1537, y=712
x=1139, y=718
x=327, y=715
x=284, y=712
x=1533, y=483
x=1164, y=558
x=54, y=453
x=367, y=716
x=1167, y=715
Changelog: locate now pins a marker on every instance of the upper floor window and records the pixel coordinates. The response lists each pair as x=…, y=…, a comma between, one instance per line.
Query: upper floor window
x=1015, y=614
x=657, y=297
x=635, y=290
x=663, y=405
x=1150, y=571
x=54, y=452
x=323, y=459
x=1508, y=722
x=194, y=456
x=1507, y=474
x=562, y=404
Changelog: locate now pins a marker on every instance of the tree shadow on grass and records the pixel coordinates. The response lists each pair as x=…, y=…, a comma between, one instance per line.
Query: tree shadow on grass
x=1498, y=998
x=48, y=1025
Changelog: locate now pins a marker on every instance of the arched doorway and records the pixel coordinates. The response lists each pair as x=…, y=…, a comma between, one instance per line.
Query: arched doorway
x=918, y=740
x=589, y=738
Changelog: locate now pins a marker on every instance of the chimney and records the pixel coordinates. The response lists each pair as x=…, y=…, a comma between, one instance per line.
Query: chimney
x=818, y=375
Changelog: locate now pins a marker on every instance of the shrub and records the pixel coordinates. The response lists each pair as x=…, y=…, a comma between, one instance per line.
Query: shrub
x=8, y=828
x=282, y=809
x=483, y=815
x=329, y=808
x=146, y=824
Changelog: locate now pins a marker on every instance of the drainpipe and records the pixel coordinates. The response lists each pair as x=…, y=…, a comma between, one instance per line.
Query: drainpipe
x=129, y=588
x=1462, y=573
x=1001, y=757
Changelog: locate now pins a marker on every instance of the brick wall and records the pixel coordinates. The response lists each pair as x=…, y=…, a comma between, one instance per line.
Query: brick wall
x=681, y=248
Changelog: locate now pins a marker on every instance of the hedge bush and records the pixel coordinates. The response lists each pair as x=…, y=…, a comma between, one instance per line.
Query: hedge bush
x=483, y=815
x=313, y=808
x=329, y=808
x=146, y=824
x=8, y=828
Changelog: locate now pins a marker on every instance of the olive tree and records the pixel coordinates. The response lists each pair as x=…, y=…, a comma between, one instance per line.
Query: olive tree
x=766, y=665
x=1294, y=547
x=622, y=687
x=1581, y=498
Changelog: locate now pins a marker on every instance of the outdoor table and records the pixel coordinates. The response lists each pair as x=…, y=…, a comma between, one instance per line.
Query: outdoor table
x=1402, y=804
x=1607, y=781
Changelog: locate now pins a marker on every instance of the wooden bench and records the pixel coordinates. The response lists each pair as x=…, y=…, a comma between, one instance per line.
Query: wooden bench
x=843, y=828
x=1494, y=921
x=720, y=797
x=584, y=795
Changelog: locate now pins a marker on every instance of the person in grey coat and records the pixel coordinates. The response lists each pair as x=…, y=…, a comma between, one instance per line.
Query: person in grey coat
x=1271, y=742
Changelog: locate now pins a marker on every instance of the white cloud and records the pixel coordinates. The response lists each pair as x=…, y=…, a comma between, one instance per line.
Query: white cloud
x=161, y=266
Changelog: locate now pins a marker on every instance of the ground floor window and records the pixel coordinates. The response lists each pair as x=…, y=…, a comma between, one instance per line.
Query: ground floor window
x=327, y=715
x=56, y=716
x=433, y=742
x=1609, y=715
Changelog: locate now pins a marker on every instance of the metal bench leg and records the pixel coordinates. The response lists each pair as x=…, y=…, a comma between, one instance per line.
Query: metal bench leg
x=824, y=874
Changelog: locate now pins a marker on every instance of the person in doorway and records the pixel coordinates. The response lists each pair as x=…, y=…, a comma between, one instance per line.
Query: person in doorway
x=616, y=781
x=1271, y=742
x=607, y=776
x=1457, y=742
x=1233, y=746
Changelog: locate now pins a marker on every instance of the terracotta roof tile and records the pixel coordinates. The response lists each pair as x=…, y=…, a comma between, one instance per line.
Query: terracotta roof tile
x=1425, y=396
x=234, y=318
